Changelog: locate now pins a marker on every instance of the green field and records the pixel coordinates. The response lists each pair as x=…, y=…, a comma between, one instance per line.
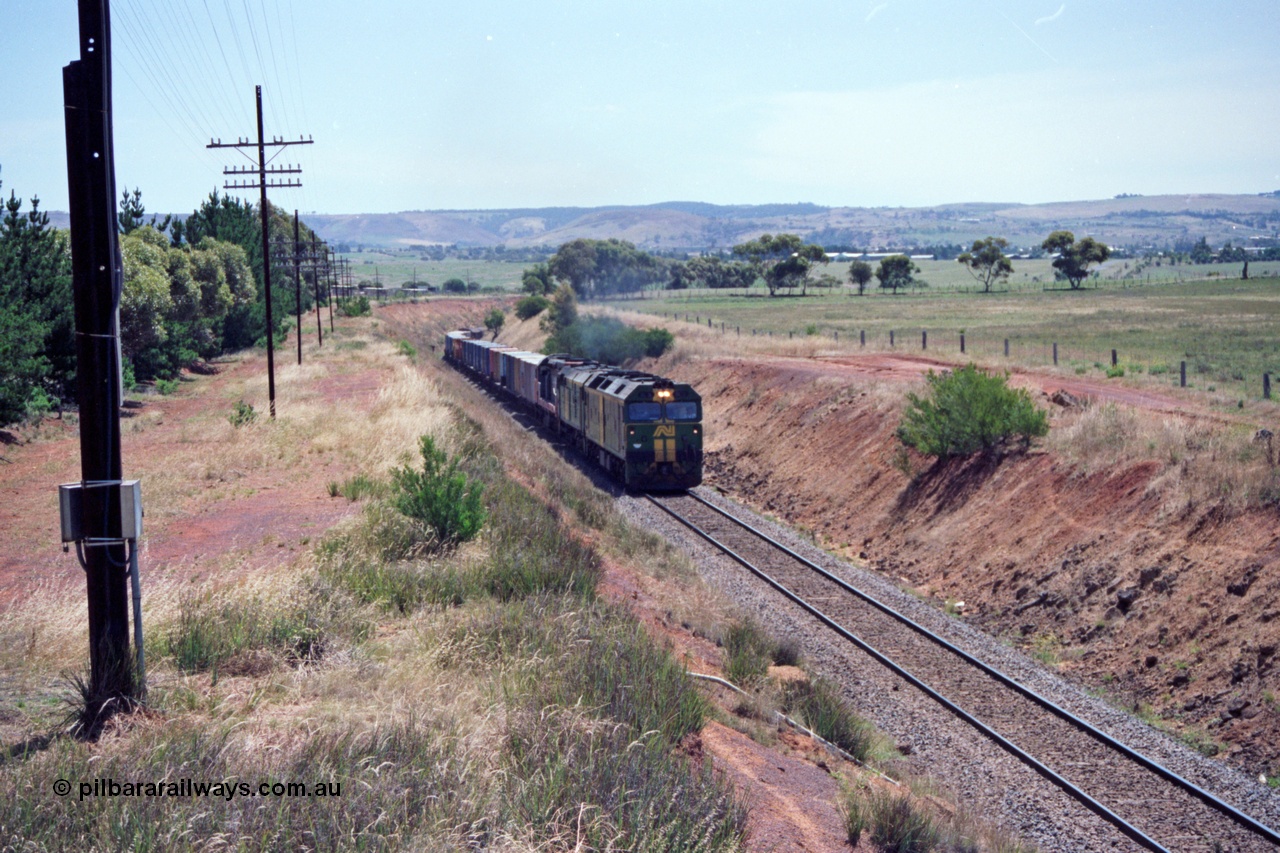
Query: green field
x=1228, y=331
x=393, y=269
x=1037, y=274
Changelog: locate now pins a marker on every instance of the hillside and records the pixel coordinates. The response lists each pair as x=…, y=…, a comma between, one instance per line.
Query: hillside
x=1135, y=567
x=1135, y=221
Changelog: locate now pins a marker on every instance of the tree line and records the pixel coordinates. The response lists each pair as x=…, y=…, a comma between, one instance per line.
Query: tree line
x=191, y=292
x=785, y=263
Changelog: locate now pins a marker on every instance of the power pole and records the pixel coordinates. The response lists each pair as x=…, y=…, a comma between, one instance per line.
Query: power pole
x=315, y=274
x=329, y=282
x=297, y=282
x=262, y=171
x=97, y=281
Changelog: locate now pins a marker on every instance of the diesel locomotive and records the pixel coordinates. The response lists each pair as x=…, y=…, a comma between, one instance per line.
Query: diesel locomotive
x=643, y=429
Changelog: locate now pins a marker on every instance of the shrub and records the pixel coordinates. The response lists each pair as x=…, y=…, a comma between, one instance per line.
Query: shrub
x=657, y=341
x=899, y=826
x=209, y=633
x=358, y=486
x=968, y=410
x=455, y=285
x=242, y=415
x=439, y=495
x=402, y=587
x=820, y=707
x=786, y=653
x=356, y=306
x=39, y=404
x=406, y=349
x=494, y=321
x=608, y=340
x=748, y=651
x=1115, y=372
x=531, y=306
x=166, y=386
x=856, y=816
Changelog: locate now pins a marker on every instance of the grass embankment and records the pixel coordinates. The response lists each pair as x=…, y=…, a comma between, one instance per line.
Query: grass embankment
x=1227, y=331
x=479, y=695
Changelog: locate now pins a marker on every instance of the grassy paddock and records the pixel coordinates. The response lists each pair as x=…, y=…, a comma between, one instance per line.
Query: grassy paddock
x=398, y=270
x=1228, y=332
x=468, y=696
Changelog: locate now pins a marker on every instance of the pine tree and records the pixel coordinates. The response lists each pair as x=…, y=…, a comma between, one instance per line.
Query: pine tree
x=37, y=335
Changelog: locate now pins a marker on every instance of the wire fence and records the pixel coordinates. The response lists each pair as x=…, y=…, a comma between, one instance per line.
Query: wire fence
x=1013, y=351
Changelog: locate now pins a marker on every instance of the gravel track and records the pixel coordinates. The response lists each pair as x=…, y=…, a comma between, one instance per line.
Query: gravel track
x=984, y=778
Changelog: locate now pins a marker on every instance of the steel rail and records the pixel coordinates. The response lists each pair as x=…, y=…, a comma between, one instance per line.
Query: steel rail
x=1126, y=828
x=1160, y=770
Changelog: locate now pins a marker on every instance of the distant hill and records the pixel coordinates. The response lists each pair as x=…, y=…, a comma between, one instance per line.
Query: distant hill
x=1135, y=221
x=1159, y=221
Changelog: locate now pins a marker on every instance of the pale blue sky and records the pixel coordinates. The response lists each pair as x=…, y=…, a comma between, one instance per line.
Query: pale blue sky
x=483, y=104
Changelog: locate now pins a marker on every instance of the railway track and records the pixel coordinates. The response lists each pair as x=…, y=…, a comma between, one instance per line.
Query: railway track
x=1149, y=804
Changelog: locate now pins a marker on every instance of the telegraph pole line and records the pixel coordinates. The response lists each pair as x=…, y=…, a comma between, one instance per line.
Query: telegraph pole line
x=262, y=171
x=315, y=277
x=329, y=282
x=297, y=282
x=92, y=515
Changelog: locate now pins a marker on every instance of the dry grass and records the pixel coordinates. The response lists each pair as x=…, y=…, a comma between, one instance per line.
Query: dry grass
x=917, y=819
x=1201, y=462
x=492, y=721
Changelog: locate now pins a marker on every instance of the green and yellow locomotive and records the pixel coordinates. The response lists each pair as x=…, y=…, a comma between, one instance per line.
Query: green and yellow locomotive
x=645, y=429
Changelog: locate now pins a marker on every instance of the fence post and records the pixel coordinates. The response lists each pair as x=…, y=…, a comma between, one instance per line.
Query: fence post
x=862, y=338
x=790, y=335
x=1055, y=354
x=1006, y=347
x=962, y=342
x=924, y=339
x=1182, y=375
x=891, y=337
x=1113, y=358
x=1266, y=386
x=738, y=330
x=837, y=336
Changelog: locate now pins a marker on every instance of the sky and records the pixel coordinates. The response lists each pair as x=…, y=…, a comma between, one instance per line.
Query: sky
x=419, y=105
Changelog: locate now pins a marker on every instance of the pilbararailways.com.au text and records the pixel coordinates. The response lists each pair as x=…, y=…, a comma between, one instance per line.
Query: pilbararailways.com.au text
x=188, y=788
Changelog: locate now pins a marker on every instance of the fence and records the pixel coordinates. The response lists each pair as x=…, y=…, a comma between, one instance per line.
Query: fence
x=1019, y=352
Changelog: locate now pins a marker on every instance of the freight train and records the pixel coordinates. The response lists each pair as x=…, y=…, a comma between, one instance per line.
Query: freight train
x=643, y=429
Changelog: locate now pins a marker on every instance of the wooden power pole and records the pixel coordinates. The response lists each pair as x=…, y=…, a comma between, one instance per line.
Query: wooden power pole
x=97, y=280
x=297, y=282
x=261, y=170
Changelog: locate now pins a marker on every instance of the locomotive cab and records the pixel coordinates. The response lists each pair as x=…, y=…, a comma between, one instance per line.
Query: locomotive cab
x=663, y=425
